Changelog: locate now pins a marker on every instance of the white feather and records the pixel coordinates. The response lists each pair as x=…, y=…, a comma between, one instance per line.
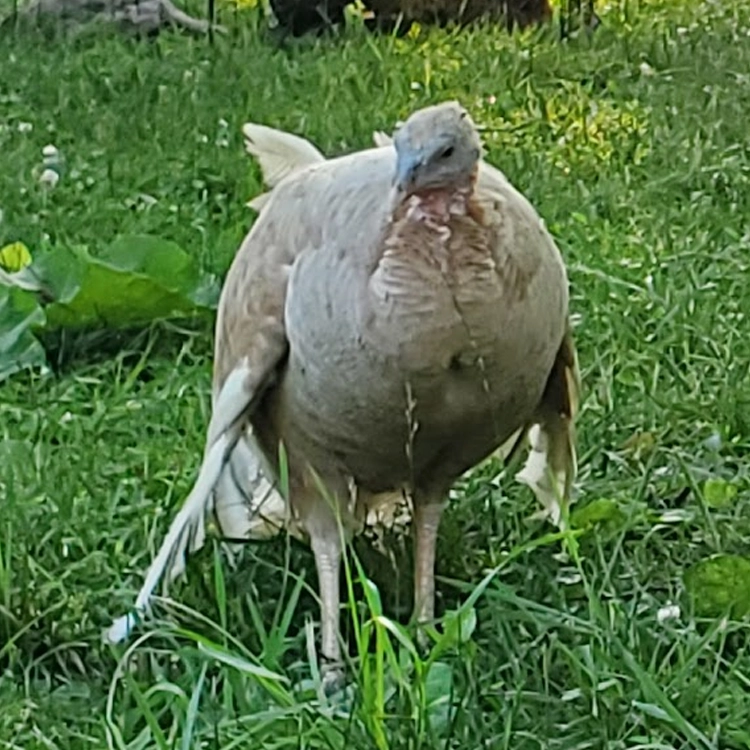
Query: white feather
x=187, y=529
x=258, y=202
x=248, y=504
x=188, y=532
x=381, y=139
x=230, y=403
x=279, y=155
x=538, y=473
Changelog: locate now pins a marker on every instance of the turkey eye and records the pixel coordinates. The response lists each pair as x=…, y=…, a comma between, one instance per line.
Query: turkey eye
x=447, y=153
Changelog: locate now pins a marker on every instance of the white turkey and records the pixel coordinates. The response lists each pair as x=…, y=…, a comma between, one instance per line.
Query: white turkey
x=393, y=317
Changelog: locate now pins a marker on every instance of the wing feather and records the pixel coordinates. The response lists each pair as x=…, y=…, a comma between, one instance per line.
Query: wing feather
x=187, y=531
x=552, y=465
x=234, y=481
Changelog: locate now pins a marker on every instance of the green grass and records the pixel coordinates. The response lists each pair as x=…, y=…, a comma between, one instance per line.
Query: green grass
x=634, y=147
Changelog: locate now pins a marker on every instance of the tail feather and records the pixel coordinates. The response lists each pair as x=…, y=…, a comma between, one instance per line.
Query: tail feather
x=381, y=139
x=279, y=155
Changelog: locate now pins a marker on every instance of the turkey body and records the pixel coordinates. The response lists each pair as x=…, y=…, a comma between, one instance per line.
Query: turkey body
x=413, y=350
x=301, y=16
x=392, y=318
x=441, y=12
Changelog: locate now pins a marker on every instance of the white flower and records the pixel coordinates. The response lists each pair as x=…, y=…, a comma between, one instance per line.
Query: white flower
x=25, y=127
x=670, y=612
x=49, y=178
x=50, y=152
x=646, y=69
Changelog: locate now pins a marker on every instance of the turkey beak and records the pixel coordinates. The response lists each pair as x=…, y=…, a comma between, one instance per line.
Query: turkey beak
x=407, y=167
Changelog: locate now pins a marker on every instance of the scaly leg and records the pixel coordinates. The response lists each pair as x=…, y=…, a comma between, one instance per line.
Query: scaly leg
x=326, y=547
x=425, y=528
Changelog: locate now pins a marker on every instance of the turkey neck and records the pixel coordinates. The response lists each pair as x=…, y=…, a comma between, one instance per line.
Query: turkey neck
x=433, y=279
x=415, y=324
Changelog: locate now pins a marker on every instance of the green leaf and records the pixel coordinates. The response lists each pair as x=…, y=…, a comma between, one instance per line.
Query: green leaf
x=20, y=313
x=372, y=596
x=165, y=262
x=720, y=586
x=16, y=453
x=652, y=710
x=659, y=704
x=459, y=625
x=603, y=513
x=24, y=279
x=719, y=493
x=138, y=279
x=191, y=717
x=60, y=272
x=239, y=663
x=438, y=690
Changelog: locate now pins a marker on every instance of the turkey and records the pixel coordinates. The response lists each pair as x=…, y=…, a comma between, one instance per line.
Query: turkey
x=394, y=317
x=301, y=16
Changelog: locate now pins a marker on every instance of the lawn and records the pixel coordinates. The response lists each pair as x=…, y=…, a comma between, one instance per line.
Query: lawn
x=634, y=147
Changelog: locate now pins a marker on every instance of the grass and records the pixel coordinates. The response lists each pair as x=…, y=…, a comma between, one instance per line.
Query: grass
x=633, y=145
